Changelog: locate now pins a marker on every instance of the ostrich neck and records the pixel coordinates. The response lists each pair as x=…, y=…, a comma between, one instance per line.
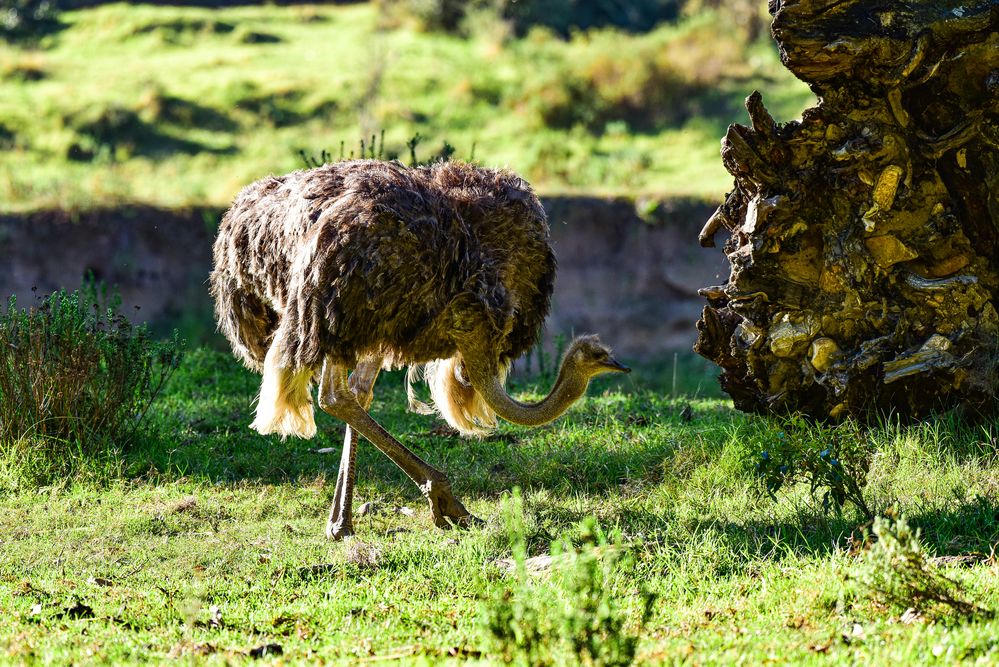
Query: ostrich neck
x=567, y=389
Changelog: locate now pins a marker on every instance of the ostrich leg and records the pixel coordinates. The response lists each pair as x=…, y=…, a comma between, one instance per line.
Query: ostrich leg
x=337, y=399
x=340, y=523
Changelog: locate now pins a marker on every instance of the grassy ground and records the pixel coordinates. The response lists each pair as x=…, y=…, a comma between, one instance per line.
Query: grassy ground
x=177, y=106
x=209, y=546
x=204, y=541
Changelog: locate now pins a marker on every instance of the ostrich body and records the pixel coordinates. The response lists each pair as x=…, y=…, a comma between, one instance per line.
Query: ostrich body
x=362, y=265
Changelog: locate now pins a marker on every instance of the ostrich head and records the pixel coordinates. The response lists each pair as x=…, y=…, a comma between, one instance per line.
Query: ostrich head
x=587, y=357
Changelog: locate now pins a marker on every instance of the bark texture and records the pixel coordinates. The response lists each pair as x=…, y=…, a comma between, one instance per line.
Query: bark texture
x=864, y=243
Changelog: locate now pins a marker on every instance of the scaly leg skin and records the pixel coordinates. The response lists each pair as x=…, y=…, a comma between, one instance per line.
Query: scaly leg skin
x=340, y=523
x=336, y=398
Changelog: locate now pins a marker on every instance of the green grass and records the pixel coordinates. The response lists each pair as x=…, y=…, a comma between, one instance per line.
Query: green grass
x=200, y=543
x=181, y=106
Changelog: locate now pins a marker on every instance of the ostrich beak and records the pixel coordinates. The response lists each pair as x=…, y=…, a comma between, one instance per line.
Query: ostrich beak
x=614, y=366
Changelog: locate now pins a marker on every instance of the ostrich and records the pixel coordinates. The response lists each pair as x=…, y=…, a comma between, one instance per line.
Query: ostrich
x=364, y=265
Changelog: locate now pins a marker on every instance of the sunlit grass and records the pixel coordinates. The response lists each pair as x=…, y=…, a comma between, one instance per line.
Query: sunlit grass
x=203, y=542
x=332, y=77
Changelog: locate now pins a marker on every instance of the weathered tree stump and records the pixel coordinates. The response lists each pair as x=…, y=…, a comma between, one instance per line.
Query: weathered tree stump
x=865, y=238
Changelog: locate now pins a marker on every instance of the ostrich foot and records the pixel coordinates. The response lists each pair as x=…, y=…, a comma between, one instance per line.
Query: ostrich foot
x=338, y=530
x=337, y=399
x=446, y=509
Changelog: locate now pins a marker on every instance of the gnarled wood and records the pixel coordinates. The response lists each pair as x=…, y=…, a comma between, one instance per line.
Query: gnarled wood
x=864, y=243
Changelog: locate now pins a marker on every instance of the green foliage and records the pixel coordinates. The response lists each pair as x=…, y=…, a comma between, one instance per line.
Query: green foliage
x=574, y=618
x=592, y=622
x=76, y=378
x=445, y=153
x=25, y=68
x=833, y=462
x=644, y=94
x=896, y=572
x=666, y=79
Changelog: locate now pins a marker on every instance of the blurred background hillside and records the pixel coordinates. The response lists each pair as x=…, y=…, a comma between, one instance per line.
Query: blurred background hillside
x=173, y=105
x=126, y=129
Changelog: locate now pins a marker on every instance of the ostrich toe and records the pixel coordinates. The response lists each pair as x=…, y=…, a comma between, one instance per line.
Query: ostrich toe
x=446, y=509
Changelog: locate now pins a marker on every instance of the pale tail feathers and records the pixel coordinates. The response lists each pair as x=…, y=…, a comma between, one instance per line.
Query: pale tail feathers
x=285, y=403
x=414, y=404
x=454, y=399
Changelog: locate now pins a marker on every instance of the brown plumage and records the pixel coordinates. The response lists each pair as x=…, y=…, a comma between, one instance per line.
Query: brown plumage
x=368, y=264
x=364, y=258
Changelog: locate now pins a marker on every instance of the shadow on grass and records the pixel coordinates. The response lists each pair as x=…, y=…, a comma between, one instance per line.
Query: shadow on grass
x=200, y=446
x=970, y=528
x=634, y=459
x=199, y=428
x=115, y=131
x=173, y=110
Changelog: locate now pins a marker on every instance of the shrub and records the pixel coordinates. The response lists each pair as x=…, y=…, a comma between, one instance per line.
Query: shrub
x=159, y=108
x=895, y=572
x=574, y=618
x=833, y=462
x=116, y=133
x=643, y=93
x=75, y=378
x=750, y=17
x=662, y=80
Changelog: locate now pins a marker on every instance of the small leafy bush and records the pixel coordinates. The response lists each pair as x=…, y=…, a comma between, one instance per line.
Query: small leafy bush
x=572, y=619
x=159, y=108
x=833, y=462
x=76, y=378
x=895, y=572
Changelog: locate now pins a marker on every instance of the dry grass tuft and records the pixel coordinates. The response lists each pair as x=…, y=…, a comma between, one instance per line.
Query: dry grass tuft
x=362, y=554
